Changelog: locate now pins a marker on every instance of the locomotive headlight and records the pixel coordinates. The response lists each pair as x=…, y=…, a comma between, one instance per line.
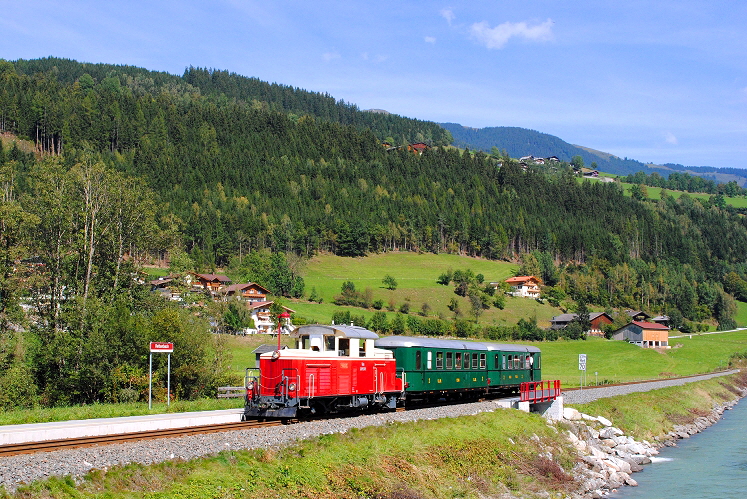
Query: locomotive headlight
x=292, y=387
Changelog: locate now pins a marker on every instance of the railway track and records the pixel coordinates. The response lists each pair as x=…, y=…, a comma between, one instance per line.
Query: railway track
x=69, y=443
x=53, y=445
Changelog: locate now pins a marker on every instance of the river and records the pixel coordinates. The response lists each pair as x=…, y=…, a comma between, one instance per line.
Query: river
x=709, y=465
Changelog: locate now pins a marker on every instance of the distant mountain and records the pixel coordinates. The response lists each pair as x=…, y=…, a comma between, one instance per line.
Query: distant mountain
x=519, y=142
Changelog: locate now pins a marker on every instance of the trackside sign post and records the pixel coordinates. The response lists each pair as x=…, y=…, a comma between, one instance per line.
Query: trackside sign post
x=159, y=347
x=582, y=367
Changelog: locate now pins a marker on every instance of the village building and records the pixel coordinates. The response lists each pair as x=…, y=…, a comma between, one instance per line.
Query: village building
x=248, y=291
x=527, y=286
x=210, y=282
x=644, y=334
x=260, y=313
x=597, y=319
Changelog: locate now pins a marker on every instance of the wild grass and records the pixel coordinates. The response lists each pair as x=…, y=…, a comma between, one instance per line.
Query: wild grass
x=484, y=455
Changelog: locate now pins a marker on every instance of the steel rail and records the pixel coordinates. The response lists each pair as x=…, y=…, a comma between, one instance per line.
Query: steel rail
x=119, y=438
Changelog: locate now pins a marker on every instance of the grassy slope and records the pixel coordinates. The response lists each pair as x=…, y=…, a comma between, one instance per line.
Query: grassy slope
x=416, y=276
x=655, y=193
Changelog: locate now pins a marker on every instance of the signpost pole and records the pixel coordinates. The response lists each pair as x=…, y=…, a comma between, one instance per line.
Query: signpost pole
x=159, y=347
x=168, y=382
x=150, y=381
x=582, y=368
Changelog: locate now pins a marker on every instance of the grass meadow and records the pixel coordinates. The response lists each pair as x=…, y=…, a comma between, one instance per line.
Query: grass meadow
x=655, y=193
x=416, y=276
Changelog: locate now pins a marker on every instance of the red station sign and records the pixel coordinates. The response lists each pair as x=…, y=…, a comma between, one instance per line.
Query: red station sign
x=161, y=347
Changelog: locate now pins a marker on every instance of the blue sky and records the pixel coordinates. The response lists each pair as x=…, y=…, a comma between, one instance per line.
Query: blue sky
x=659, y=81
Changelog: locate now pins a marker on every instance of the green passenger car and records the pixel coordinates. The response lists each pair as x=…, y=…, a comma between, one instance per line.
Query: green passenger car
x=435, y=368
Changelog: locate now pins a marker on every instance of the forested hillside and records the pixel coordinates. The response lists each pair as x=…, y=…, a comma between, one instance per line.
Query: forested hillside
x=131, y=165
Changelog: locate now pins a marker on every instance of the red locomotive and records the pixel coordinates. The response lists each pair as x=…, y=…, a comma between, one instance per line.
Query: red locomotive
x=332, y=369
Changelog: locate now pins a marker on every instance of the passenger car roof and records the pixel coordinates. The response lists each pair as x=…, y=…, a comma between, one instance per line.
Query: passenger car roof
x=411, y=341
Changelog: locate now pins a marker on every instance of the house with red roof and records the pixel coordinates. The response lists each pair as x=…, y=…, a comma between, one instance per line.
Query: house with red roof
x=527, y=286
x=644, y=334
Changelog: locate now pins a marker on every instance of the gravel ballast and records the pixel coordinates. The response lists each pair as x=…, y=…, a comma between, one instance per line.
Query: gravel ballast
x=16, y=470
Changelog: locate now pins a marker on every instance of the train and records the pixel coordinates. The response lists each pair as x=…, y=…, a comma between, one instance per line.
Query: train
x=341, y=368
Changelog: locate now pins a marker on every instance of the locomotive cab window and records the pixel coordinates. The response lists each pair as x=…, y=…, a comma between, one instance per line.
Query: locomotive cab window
x=344, y=347
x=329, y=343
x=418, y=360
x=439, y=360
x=449, y=360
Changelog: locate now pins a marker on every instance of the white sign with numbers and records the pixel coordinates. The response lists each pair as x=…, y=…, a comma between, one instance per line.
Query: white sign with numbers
x=582, y=362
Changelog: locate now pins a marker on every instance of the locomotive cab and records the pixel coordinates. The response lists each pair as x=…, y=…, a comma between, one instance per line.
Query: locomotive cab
x=331, y=369
x=337, y=342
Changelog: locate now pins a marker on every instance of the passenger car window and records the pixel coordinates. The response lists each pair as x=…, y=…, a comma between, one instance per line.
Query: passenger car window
x=439, y=360
x=429, y=362
x=474, y=361
x=482, y=361
x=418, y=360
x=449, y=360
x=459, y=360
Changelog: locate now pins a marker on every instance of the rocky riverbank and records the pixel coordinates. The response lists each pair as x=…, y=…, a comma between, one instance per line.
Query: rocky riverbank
x=608, y=457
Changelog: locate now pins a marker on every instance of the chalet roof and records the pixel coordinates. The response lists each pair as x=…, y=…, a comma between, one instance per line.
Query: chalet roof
x=243, y=286
x=633, y=313
x=571, y=317
x=649, y=325
x=266, y=304
x=213, y=277
x=161, y=281
x=522, y=278
x=564, y=318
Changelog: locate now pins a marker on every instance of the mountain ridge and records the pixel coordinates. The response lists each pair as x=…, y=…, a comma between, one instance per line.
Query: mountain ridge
x=519, y=142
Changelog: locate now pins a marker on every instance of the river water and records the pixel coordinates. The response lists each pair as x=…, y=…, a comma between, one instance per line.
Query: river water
x=709, y=465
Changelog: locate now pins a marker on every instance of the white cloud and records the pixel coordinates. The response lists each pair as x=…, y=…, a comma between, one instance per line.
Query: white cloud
x=330, y=56
x=496, y=38
x=448, y=14
x=669, y=138
x=430, y=39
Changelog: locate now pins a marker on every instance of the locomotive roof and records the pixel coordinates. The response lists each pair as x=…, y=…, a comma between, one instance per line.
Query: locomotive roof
x=335, y=329
x=409, y=341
